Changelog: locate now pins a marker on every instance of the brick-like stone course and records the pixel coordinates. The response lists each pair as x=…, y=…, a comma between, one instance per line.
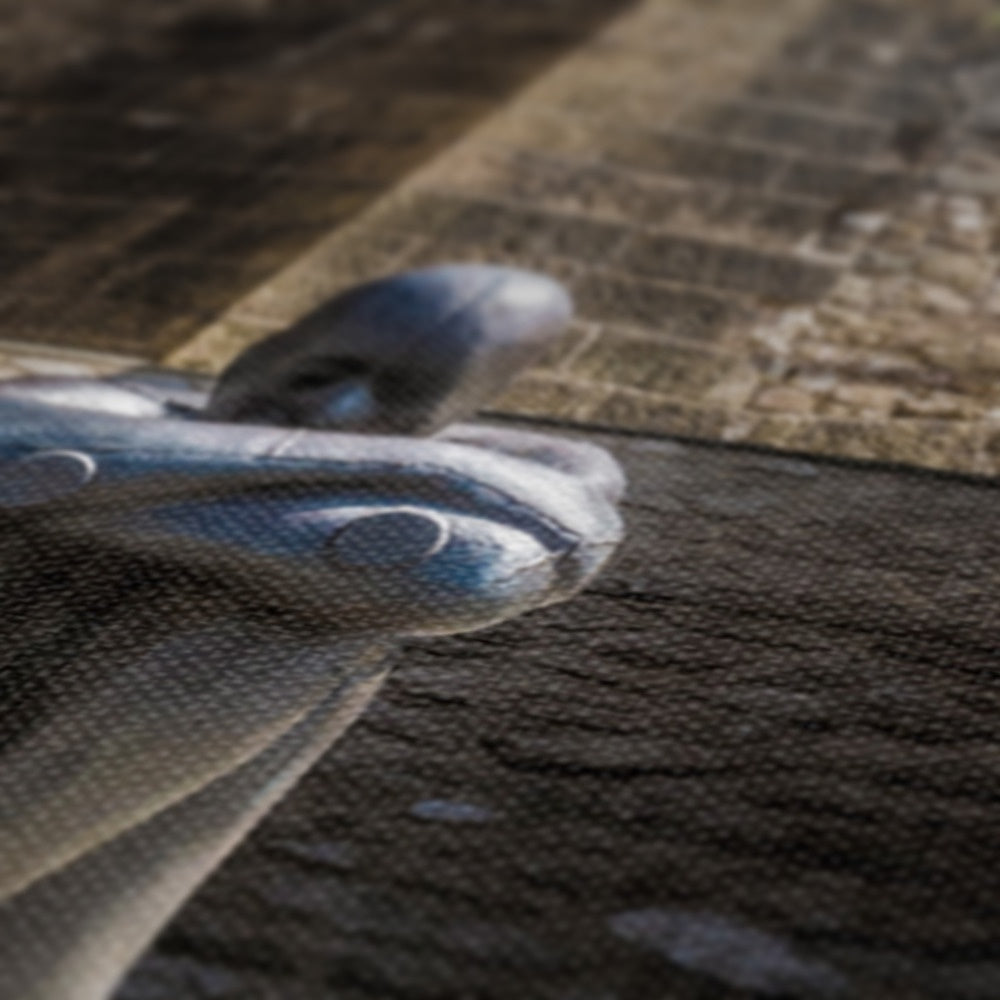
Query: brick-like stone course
x=779, y=220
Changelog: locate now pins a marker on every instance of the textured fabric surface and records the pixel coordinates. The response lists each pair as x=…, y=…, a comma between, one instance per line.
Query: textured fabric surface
x=757, y=758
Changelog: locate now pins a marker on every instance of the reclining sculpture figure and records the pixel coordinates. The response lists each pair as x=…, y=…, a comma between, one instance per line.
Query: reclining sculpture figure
x=200, y=587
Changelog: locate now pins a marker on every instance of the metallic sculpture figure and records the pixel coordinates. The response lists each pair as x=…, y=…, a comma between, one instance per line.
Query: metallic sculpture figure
x=407, y=356
x=201, y=585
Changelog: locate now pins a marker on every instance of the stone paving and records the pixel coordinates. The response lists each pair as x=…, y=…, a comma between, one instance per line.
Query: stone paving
x=779, y=221
x=158, y=161
x=20, y=360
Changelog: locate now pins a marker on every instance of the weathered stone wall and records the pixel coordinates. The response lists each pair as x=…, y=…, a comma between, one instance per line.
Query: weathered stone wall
x=779, y=220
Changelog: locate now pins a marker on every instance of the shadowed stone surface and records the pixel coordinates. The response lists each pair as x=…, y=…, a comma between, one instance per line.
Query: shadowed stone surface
x=757, y=758
x=157, y=161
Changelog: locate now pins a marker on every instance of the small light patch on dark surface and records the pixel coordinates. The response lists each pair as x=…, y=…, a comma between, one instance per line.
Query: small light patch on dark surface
x=447, y=811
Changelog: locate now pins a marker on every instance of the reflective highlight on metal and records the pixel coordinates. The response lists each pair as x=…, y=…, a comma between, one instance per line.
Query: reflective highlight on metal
x=231, y=564
x=404, y=355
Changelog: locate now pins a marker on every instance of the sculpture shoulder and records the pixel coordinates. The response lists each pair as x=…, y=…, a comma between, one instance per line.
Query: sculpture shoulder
x=140, y=392
x=357, y=533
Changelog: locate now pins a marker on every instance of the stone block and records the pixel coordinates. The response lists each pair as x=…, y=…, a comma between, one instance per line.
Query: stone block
x=867, y=399
x=941, y=299
x=667, y=367
x=966, y=273
x=658, y=308
x=538, y=394
x=784, y=399
x=635, y=410
x=514, y=230
x=937, y=405
x=697, y=158
x=930, y=443
x=812, y=131
x=774, y=277
x=820, y=178
x=826, y=87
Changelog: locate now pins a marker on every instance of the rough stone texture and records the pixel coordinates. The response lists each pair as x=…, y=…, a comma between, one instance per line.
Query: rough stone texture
x=159, y=160
x=780, y=219
x=758, y=758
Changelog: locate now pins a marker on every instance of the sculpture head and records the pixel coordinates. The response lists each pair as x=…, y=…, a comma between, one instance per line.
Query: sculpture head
x=404, y=355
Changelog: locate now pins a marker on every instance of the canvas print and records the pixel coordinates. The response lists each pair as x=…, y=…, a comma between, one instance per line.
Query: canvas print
x=498, y=500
